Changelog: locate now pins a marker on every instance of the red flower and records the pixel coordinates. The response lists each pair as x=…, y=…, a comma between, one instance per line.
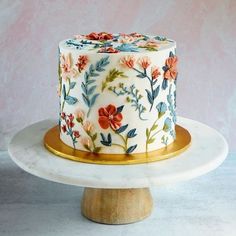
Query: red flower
x=63, y=115
x=63, y=128
x=155, y=72
x=108, y=50
x=171, y=71
x=82, y=62
x=105, y=36
x=70, y=124
x=99, y=36
x=109, y=117
x=76, y=134
x=71, y=117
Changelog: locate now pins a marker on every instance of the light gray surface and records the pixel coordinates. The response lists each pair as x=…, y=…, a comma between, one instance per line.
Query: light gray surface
x=30, y=206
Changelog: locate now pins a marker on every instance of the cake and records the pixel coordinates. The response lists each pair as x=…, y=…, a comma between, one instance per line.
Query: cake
x=117, y=92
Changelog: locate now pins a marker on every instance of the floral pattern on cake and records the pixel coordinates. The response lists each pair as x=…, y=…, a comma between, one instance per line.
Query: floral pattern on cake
x=67, y=127
x=104, y=42
x=170, y=70
x=110, y=117
x=144, y=63
x=92, y=78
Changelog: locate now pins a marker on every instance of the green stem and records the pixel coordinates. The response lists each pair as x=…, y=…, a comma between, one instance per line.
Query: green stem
x=89, y=110
x=118, y=145
x=150, y=81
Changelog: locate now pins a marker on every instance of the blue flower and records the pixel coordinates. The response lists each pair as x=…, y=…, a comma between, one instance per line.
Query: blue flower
x=167, y=125
x=161, y=108
x=126, y=47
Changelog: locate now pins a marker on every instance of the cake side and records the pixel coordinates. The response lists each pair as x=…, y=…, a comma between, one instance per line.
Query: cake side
x=117, y=102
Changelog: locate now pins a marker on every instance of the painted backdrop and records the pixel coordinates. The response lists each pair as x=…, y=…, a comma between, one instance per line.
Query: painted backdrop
x=204, y=31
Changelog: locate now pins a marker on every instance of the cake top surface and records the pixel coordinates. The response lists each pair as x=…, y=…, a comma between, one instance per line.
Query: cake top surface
x=104, y=42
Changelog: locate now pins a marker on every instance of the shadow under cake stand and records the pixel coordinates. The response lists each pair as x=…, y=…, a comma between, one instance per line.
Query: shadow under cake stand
x=118, y=194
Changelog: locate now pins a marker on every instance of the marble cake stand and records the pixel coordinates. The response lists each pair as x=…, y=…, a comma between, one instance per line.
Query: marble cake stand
x=118, y=194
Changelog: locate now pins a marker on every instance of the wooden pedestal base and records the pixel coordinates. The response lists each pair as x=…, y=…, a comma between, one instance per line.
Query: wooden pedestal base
x=116, y=206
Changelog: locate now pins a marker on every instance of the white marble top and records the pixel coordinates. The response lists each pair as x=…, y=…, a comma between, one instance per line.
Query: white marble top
x=207, y=151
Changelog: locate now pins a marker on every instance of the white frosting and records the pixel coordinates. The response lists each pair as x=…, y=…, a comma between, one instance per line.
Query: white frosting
x=106, y=96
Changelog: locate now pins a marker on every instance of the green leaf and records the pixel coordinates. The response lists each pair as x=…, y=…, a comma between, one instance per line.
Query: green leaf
x=97, y=149
x=86, y=101
x=151, y=140
x=154, y=127
x=94, y=137
x=147, y=132
x=113, y=74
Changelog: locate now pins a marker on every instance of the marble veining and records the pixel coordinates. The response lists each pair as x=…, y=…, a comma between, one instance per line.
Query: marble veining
x=207, y=151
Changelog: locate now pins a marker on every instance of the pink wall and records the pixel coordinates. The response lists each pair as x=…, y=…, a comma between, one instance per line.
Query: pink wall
x=204, y=31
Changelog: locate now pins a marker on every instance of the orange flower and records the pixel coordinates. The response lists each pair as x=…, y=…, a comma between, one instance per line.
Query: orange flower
x=82, y=62
x=99, y=36
x=88, y=126
x=171, y=70
x=79, y=114
x=144, y=62
x=86, y=142
x=155, y=72
x=127, y=61
x=66, y=63
x=108, y=50
x=109, y=117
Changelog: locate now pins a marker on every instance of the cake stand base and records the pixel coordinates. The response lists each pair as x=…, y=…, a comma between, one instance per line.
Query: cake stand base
x=116, y=206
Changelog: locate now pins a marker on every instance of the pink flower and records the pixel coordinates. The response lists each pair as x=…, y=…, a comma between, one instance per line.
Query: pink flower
x=108, y=50
x=82, y=62
x=144, y=62
x=128, y=61
x=151, y=43
x=155, y=72
x=88, y=126
x=86, y=142
x=66, y=63
x=76, y=134
x=171, y=71
x=126, y=39
x=63, y=128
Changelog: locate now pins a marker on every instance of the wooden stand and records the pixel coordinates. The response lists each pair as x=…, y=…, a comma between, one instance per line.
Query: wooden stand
x=116, y=206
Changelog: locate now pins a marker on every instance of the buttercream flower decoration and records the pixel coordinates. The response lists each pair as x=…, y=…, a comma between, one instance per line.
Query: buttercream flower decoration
x=150, y=45
x=109, y=117
x=66, y=63
x=144, y=62
x=86, y=142
x=171, y=68
x=82, y=62
x=99, y=36
x=126, y=39
x=128, y=61
x=108, y=50
x=155, y=72
x=76, y=134
x=79, y=114
x=88, y=126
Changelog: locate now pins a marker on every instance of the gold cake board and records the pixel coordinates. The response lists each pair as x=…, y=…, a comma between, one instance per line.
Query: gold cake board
x=53, y=143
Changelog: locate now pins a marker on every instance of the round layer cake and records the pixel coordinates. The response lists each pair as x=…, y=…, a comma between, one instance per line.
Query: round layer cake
x=117, y=92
